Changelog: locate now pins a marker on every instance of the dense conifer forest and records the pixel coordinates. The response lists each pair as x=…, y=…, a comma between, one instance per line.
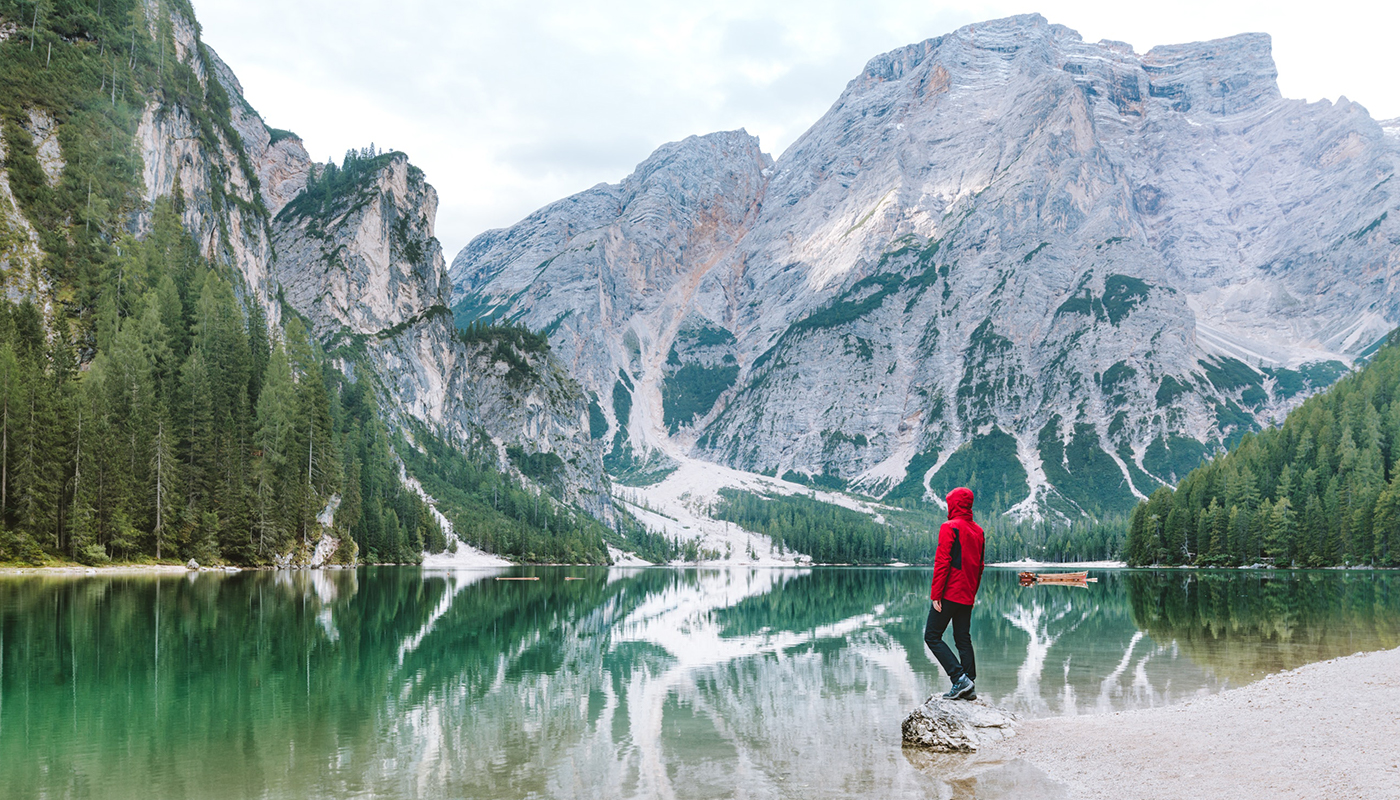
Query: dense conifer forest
x=831, y=534
x=1321, y=490
x=189, y=433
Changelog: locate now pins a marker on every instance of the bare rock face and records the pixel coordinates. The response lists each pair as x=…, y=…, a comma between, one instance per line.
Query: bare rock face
x=1061, y=270
x=615, y=274
x=957, y=726
x=43, y=130
x=363, y=266
x=281, y=162
x=20, y=255
x=367, y=260
x=229, y=177
x=359, y=261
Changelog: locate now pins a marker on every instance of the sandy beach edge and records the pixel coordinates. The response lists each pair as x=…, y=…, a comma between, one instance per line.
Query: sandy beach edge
x=66, y=570
x=1330, y=729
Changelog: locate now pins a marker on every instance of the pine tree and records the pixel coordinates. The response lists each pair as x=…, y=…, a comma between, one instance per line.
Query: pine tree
x=274, y=443
x=131, y=401
x=197, y=430
x=9, y=393
x=92, y=458
x=35, y=484
x=1311, y=553
x=1282, y=532
x=155, y=343
x=1219, y=530
x=164, y=472
x=1386, y=526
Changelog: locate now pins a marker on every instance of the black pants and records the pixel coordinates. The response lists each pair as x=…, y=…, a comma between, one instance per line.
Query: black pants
x=961, y=617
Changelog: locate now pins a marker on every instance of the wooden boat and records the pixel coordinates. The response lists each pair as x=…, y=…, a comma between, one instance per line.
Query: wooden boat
x=1064, y=578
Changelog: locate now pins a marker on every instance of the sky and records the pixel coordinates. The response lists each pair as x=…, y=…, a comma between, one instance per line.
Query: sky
x=508, y=106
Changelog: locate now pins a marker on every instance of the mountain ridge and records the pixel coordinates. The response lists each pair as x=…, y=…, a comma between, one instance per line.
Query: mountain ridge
x=1121, y=233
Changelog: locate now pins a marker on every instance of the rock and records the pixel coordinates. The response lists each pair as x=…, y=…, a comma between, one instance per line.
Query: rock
x=959, y=726
x=43, y=129
x=192, y=564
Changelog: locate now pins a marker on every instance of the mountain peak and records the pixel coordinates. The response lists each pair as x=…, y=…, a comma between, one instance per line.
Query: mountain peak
x=1220, y=76
x=1003, y=251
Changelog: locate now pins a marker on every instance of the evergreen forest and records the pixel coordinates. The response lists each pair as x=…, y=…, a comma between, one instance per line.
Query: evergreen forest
x=1321, y=490
x=147, y=408
x=831, y=534
x=189, y=433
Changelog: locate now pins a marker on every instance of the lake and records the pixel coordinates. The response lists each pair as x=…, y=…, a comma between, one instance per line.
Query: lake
x=595, y=682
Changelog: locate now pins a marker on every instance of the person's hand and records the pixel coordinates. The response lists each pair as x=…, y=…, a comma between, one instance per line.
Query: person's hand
x=938, y=606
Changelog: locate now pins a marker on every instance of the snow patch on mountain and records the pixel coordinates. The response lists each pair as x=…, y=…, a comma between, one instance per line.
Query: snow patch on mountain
x=681, y=506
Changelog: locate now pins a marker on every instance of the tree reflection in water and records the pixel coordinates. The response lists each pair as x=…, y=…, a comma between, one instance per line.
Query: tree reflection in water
x=399, y=682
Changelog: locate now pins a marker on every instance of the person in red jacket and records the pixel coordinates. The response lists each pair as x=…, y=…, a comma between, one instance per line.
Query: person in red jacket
x=957, y=572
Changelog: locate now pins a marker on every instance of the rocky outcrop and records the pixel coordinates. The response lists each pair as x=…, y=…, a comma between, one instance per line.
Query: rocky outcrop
x=956, y=726
x=1062, y=271
x=615, y=274
x=20, y=255
x=211, y=164
x=359, y=261
x=43, y=130
x=362, y=265
x=279, y=158
x=366, y=260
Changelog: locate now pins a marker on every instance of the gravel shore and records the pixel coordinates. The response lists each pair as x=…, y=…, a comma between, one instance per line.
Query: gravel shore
x=1325, y=730
x=75, y=570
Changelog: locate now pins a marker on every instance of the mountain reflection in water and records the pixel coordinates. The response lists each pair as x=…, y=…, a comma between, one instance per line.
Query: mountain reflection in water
x=629, y=683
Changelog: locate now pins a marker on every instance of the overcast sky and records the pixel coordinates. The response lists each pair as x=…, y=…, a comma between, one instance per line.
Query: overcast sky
x=509, y=105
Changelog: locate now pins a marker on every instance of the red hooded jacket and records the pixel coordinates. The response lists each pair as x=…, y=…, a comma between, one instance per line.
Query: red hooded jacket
x=958, y=583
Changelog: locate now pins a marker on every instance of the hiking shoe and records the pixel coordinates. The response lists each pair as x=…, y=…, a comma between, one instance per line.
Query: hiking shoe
x=961, y=687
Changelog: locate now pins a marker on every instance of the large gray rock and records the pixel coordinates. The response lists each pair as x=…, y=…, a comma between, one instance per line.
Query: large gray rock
x=957, y=726
x=1091, y=264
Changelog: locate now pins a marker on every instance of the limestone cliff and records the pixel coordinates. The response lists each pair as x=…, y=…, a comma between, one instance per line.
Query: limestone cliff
x=215, y=154
x=356, y=255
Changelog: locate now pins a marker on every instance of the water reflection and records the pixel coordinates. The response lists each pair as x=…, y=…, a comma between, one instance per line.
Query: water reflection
x=627, y=683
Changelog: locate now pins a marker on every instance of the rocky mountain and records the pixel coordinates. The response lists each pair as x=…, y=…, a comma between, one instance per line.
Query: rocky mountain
x=1058, y=271
x=353, y=251
x=97, y=138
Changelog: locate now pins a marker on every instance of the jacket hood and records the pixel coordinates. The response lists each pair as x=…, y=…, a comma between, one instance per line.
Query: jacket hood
x=960, y=503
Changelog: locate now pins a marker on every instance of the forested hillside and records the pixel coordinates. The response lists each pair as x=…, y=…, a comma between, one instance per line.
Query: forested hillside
x=145, y=409
x=832, y=534
x=161, y=396
x=1321, y=490
x=189, y=433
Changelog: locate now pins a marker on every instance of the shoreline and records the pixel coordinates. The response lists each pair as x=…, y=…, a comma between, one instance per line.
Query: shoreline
x=1326, y=729
x=79, y=570
x=11, y=569
x=1028, y=563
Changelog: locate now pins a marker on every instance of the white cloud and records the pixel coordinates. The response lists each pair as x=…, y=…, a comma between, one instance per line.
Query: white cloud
x=507, y=106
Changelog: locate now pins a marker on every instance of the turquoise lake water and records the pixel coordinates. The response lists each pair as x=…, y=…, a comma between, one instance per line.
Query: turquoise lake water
x=594, y=682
